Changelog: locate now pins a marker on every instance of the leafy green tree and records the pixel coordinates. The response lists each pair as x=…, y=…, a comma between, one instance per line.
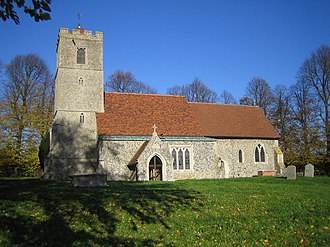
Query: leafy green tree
x=39, y=9
x=26, y=111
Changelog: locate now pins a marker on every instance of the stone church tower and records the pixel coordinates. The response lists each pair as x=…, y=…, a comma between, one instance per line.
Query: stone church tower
x=78, y=96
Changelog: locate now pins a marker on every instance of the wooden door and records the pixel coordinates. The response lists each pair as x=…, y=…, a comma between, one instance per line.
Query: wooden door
x=155, y=169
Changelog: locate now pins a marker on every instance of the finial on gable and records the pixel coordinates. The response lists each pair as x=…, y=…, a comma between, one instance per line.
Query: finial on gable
x=155, y=141
x=155, y=132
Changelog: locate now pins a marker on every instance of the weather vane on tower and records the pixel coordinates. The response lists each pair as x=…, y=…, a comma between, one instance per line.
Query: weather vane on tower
x=79, y=18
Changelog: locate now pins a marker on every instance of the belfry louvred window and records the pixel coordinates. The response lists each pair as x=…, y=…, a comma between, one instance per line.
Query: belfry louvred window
x=81, y=56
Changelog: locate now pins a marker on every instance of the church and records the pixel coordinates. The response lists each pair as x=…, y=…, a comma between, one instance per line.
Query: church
x=141, y=137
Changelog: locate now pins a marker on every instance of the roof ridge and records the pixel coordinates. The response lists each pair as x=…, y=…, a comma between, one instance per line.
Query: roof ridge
x=149, y=94
x=233, y=105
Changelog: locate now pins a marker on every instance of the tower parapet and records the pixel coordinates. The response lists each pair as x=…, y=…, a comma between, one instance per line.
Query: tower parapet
x=81, y=31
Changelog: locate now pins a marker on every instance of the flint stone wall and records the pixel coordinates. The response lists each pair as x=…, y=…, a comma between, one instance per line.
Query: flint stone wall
x=227, y=151
x=73, y=148
x=209, y=159
x=116, y=155
x=70, y=94
x=64, y=169
x=203, y=164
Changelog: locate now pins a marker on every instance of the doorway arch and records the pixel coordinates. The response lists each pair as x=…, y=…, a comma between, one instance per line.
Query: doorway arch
x=155, y=168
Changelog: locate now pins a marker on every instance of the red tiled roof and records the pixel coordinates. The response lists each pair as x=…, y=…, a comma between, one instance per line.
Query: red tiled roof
x=233, y=121
x=135, y=114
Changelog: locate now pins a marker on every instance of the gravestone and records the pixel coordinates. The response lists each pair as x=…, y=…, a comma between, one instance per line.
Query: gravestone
x=309, y=170
x=291, y=172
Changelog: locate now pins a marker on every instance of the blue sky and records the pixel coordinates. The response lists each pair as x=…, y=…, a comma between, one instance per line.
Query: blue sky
x=169, y=42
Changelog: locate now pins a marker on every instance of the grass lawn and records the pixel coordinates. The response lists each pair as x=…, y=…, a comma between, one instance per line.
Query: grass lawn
x=232, y=212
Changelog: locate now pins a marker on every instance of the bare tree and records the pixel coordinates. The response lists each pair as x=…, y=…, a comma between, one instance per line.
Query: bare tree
x=227, y=98
x=305, y=125
x=177, y=90
x=196, y=91
x=281, y=117
x=2, y=70
x=125, y=82
x=259, y=92
x=315, y=71
x=27, y=105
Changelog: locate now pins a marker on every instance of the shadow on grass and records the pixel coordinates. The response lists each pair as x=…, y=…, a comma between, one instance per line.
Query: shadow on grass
x=35, y=213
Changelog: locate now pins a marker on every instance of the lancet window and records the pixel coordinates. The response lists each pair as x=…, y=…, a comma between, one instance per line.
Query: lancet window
x=82, y=118
x=240, y=156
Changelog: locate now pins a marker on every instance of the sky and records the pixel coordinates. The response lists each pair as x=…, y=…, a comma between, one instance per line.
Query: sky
x=170, y=42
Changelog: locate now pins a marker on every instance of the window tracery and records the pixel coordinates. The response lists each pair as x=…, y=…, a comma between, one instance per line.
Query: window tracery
x=181, y=158
x=259, y=154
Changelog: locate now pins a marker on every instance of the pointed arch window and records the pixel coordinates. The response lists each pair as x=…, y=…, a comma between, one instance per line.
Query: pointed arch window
x=256, y=155
x=81, y=54
x=262, y=154
x=259, y=154
x=186, y=160
x=180, y=158
x=175, y=166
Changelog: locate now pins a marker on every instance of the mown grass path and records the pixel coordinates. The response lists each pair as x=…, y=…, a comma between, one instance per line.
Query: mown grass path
x=258, y=211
